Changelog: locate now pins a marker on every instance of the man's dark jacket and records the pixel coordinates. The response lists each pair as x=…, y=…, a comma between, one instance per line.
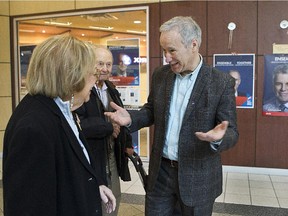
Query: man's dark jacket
x=96, y=129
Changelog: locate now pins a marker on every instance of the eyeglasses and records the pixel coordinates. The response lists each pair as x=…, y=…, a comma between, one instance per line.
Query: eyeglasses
x=101, y=65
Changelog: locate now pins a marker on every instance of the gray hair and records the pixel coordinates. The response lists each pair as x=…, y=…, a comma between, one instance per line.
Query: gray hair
x=280, y=69
x=187, y=27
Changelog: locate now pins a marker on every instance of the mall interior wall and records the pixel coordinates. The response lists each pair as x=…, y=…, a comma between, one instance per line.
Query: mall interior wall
x=263, y=140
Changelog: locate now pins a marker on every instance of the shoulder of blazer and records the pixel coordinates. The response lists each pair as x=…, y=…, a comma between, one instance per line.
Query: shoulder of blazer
x=219, y=73
x=214, y=73
x=43, y=110
x=161, y=73
x=162, y=69
x=49, y=103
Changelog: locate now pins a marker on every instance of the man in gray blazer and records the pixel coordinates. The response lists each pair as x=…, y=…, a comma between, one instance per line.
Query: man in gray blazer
x=192, y=107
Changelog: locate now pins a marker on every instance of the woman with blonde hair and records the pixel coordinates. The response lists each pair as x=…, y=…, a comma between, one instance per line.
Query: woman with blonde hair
x=47, y=165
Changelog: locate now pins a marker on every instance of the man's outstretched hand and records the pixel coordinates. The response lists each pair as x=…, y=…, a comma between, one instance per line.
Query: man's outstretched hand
x=120, y=116
x=216, y=133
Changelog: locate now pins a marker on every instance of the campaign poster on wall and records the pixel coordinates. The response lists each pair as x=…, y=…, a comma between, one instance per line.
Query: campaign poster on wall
x=275, y=96
x=242, y=68
x=126, y=76
x=125, y=70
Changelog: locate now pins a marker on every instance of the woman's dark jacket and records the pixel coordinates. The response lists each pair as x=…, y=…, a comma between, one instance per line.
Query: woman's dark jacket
x=44, y=169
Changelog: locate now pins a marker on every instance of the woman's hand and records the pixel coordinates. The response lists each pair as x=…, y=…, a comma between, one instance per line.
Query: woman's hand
x=107, y=198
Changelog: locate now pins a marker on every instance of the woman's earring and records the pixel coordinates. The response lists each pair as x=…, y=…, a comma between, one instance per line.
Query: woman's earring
x=72, y=101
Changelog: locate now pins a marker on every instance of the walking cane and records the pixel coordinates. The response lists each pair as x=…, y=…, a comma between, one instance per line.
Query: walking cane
x=137, y=162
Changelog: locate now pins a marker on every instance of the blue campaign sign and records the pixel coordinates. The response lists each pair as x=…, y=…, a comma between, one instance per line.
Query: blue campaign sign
x=242, y=68
x=126, y=64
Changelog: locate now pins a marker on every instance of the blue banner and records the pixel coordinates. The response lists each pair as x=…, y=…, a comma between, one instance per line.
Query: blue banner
x=242, y=68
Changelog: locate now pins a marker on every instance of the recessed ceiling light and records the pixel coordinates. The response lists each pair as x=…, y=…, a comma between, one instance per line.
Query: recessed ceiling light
x=43, y=31
x=58, y=23
x=101, y=28
x=137, y=21
x=137, y=32
x=27, y=30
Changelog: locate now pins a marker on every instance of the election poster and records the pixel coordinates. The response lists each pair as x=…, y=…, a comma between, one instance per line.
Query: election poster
x=242, y=68
x=125, y=69
x=275, y=96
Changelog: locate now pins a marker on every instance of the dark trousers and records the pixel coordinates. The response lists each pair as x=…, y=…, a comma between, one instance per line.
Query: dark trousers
x=165, y=198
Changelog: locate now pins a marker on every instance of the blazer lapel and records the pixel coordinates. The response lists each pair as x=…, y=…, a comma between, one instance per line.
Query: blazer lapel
x=76, y=146
x=68, y=131
x=201, y=82
x=168, y=93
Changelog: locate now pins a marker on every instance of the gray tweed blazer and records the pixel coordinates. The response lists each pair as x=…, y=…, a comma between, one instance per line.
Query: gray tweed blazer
x=212, y=101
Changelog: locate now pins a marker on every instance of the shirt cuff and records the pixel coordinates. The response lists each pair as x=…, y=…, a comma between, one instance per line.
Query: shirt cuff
x=215, y=144
x=129, y=124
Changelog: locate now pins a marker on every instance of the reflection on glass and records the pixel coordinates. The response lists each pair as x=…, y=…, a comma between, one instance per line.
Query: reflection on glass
x=99, y=28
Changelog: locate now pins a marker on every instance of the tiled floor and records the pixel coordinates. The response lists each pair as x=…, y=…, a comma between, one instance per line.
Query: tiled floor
x=244, y=193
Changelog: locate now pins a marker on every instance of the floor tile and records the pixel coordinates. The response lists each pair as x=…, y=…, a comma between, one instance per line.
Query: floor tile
x=237, y=183
x=139, y=207
x=261, y=184
x=129, y=210
x=280, y=185
x=241, y=176
x=259, y=177
x=265, y=192
x=220, y=198
x=136, y=189
x=280, y=193
x=237, y=190
x=279, y=178
x=283, y=202
x=264, y=201
x=237, y=199
x=138, y=183
x=125, y=187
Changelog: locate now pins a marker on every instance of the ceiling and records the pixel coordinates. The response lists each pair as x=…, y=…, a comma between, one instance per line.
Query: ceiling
x=97, y=25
